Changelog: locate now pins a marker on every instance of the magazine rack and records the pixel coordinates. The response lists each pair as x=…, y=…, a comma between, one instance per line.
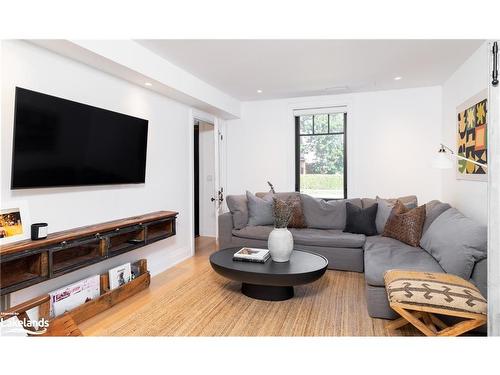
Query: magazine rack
x=67, y=324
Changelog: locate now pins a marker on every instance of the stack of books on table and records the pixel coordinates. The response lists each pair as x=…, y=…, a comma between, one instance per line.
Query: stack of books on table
x=248, y=254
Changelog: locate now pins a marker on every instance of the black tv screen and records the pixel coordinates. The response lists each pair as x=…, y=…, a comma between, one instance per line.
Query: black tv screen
x=58, y=142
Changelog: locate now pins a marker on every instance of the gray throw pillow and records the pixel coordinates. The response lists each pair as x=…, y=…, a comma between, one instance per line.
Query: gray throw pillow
x=383, y=213
x=237, y=204
x=321, y=214
x=260, y=210
x=432, y=211
x=456, y=242
x=384, y=210
x=406, y=200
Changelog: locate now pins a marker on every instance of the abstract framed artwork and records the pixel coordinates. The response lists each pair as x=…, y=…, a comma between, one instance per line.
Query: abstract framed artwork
x=15, y=222
x=472, y=140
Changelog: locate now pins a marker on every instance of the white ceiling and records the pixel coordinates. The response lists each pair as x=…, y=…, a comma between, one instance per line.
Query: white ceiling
x=291, y=68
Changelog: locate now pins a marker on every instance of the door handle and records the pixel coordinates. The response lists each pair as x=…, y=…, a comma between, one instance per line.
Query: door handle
x=220, y=197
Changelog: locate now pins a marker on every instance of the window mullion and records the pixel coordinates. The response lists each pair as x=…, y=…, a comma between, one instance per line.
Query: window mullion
x=331, y=131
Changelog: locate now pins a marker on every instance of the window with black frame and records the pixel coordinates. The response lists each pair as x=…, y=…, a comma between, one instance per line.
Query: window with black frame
x=320, y=155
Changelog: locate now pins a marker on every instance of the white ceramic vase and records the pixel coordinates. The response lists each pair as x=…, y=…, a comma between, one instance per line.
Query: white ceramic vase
x=280, y=244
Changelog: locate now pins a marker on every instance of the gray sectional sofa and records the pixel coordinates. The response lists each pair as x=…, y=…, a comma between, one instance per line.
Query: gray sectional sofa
x=455, y=242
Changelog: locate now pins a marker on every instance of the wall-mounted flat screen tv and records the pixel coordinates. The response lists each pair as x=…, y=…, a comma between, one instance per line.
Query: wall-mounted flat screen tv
x=58, y=142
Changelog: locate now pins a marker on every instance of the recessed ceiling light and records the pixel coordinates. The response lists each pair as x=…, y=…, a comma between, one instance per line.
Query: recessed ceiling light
x=148, y=84
x=398, y=78
x=259, y=91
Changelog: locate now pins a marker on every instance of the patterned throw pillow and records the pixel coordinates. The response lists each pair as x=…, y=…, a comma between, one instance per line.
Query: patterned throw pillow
x=297, y=220
x=385, y=207
x=405, y=225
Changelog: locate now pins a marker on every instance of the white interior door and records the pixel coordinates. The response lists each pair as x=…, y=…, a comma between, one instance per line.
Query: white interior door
x=493, y=114
x=220, y=170
x=207, y=179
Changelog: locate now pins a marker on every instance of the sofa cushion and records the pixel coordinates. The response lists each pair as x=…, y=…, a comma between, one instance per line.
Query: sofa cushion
x=456, y=242
x=321, y=214
x=406, y=200
x=361, y=220
x=281, y=195
x=297, y=216
x=260, y=210
x=297, y=220
x=307, y=236
x=432, y=211
x=258, y=232
x=237, y=204
x=384, y=253
x=327, y=238
x=405, y=225
x=384, y=210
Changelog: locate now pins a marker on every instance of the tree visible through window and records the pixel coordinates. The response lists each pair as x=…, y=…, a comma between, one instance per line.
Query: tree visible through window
x=321, y=155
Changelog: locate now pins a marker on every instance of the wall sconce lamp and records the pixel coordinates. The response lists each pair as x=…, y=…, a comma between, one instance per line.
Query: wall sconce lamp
x=442, y=160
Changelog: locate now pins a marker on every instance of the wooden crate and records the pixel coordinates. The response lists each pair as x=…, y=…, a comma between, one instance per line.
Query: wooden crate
x=67, y=324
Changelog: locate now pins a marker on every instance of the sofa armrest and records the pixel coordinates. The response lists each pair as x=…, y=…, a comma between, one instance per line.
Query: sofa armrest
x=225, y=230
x=480, y=276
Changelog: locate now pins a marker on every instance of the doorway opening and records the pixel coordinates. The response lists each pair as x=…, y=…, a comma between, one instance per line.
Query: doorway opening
x=204, y=183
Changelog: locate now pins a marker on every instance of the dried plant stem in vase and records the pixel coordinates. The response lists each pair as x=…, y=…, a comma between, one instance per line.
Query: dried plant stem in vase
x=280, y=240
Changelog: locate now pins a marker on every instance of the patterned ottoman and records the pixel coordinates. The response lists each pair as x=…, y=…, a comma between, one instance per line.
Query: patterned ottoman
x=420, y=295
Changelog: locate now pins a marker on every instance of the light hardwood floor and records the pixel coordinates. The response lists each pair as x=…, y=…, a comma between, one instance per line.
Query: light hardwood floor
x=190, y=299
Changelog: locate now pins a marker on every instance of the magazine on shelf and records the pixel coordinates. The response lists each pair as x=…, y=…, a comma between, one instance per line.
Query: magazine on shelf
x=119, y=276
x=136, y=271
x=248, y=254
x=74, y=295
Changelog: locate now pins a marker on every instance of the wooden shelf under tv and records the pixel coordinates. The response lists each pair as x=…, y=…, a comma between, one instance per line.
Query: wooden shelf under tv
x=28, y=262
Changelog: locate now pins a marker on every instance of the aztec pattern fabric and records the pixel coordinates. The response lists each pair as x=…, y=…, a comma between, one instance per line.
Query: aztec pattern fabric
x=437, y=290
x=405, y=225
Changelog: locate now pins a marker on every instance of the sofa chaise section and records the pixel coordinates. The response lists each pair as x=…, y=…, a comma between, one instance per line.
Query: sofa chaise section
x=383, y=254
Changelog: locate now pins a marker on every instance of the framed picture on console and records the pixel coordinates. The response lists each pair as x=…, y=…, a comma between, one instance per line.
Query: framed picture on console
x=15, y=222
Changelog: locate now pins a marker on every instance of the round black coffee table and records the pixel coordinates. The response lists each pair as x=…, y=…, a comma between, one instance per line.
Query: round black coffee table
x=270, y=281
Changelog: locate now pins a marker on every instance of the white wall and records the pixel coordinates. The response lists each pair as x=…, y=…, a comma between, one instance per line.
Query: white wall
x=207, y=179
x=391, y=140
x=133, y=62
x=167, y=173
x=470, y=197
